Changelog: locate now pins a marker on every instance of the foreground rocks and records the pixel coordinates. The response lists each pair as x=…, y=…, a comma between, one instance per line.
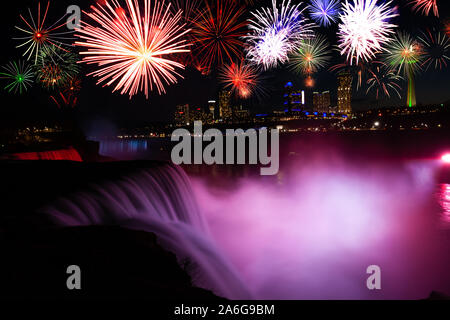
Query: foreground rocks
x=114, y=263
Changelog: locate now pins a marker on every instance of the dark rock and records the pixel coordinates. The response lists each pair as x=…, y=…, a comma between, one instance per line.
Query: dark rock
x=114, y=262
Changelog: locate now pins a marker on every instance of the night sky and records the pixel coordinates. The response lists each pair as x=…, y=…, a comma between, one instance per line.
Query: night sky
x=99, y=107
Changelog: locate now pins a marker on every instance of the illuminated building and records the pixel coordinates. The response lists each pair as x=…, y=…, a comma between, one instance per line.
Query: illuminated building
x=212, y=108
x=240, y=115
x=344, y=93
x=294, y=100
x=225, y=110
x=182, y=115
x=322, y=102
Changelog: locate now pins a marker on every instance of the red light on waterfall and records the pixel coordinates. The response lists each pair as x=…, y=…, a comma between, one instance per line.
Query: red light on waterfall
x=446, y=158
x=69, y=154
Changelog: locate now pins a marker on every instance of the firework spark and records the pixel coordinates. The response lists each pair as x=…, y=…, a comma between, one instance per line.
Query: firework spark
x=68, y=95
x=384, y=80
x=133, y=49
x=240, y=78
x=39, y=36
x=309, y=82
x=359, y=72
x=324, y=12
x=275, y=33
x=312, y=55
x=20, y=76
x=365, y=28
x=436, y=47
x=425, y=6
x=217, y=33
x=55, y=67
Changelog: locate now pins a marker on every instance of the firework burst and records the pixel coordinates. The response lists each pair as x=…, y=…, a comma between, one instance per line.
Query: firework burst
x=425, y=6
x=365, y=28
x=312, y=55
x=20, y=76
x=275, y=33
x=55, y=67
x=404, y=54
x=39, y=35
x=134, y=48
x=217, y=34
x=436, y=47
x=240, y=78
x=324, y=12
x=383, y=80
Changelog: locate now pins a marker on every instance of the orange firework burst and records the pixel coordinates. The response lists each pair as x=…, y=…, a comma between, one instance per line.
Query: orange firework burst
x=241, y=79
x=217, y=32
x=134, y=48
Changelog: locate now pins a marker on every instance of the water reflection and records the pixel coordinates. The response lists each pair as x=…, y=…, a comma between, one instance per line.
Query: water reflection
x=443, y=196
x=118, y=146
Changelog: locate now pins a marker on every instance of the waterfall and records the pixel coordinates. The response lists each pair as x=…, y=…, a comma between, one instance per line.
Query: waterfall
x=157, y=200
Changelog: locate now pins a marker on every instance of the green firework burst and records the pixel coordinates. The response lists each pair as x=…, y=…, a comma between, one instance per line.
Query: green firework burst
x=312, y=55
x=20, y=76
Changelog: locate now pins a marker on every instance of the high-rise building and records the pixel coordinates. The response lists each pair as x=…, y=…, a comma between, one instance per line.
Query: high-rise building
x=225, y=110
x=200, y=114
x=293, y=99
x=182, y=117
x=322, y=102
x=344, y=93
x=212, y=108
x=240, y=115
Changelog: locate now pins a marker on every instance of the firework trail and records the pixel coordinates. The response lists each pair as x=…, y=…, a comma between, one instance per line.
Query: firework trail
x=68, y=95
x=384, y=80
x=133, y=48
x=360, y=72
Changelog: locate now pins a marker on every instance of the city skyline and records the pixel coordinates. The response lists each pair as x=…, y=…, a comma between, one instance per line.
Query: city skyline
x=96, y=102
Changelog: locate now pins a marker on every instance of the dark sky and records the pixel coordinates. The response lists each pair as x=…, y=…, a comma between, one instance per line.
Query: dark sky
x=99, y=106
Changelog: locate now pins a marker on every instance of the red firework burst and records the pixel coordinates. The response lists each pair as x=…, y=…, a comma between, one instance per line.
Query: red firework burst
x=217, y=32
x=134, y=48
x=425, y=6
x=39, y=35
x=242, y=79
